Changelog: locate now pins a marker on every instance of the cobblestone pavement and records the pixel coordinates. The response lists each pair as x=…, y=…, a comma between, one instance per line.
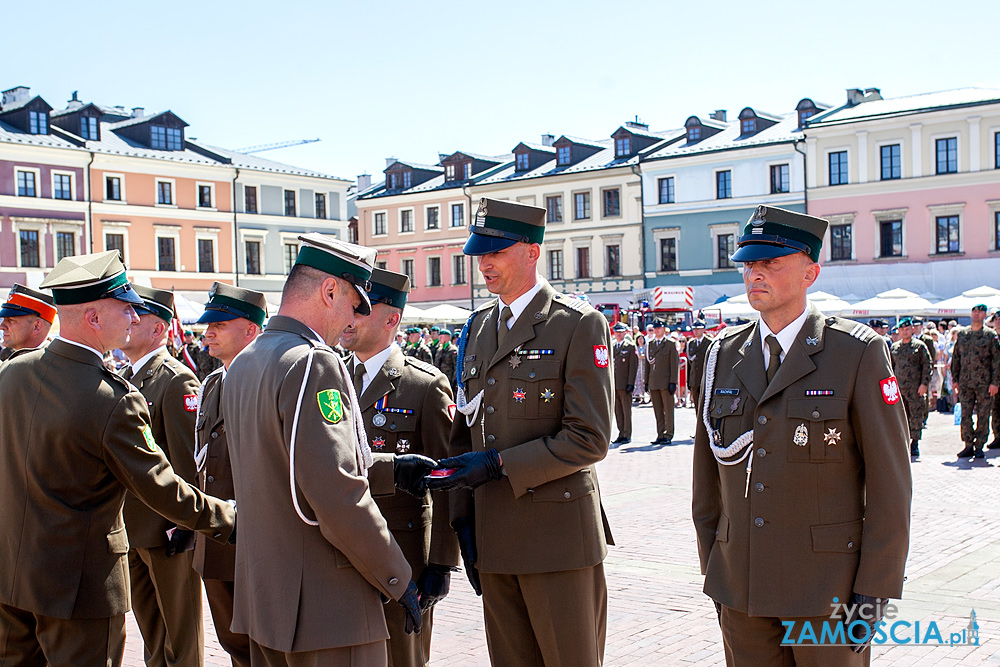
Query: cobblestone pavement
x=659, y=616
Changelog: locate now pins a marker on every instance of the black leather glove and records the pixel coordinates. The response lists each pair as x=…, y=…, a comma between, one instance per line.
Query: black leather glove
x=466, y=532
x=672, y=387
x=868, y=610
x=410, y=603
x=408, y=472
x=179, y=541
x=629, y=388
x=472, y=469
x=433, y=584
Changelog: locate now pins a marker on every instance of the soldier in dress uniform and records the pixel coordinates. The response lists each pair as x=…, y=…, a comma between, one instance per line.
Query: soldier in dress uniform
x=446, y=357
x=697, y=349
x=75, y=437
x=662, y=367
x=235, y=317
x=26, y=318
x=975, y=374
x=912, y=367
x=166, y=592
x=416, y=347
x=533, y=536
x=407, y=408
x=626, y=364
x=313, y=552
x=801, y=493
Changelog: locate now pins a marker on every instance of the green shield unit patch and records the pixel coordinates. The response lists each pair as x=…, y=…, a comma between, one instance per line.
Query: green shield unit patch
x=148, y=436
x=330, y=405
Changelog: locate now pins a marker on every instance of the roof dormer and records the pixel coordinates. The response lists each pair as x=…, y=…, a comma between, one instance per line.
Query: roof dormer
x=26, y=113
x=570, y=151
x=752, y=122
x=806, y=109
x=83, y=120
x=460, y=167
x=698, y=129
x=633, y=137
x=405, y=175
x=528, y=157
x=163, y=131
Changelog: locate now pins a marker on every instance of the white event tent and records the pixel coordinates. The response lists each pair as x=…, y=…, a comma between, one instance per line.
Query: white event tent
x=961, y=305
x=891, y=303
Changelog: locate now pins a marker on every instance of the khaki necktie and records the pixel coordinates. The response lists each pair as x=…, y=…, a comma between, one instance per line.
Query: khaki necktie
x=502, y=332
x=359, y=377
x=775, y=359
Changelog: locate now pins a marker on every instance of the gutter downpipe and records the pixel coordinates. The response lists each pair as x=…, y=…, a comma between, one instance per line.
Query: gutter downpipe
x=472, y=286
x=642, y=225
x=90, y=205
x=236, y=234
x=805, y=175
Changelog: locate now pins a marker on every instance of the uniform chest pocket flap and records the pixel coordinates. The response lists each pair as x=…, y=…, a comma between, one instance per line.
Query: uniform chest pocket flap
x=820, y=429
x=397, y=434
x=565, y=489
x=536, y=389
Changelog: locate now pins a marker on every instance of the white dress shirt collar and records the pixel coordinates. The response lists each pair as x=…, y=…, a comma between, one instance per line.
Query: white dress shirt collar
x=373, y=366
x=520, y=303
x=86, y=347
x=785, y=337
x=142, y=361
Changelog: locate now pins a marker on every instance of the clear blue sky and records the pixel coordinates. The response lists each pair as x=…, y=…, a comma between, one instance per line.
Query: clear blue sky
x=414, y=79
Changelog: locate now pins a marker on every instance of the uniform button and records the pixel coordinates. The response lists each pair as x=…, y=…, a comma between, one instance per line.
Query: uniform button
x=392, y=427
x=815, y=414
x=758, y=522
x=490, y=438
x=409, y=525
x=211, y=479
x=567, y=494
x=758, y=487
x=491, y=381
x=214, y=435
x=718, y=411
x=761, y=452
x=490, y=409
x=850, y=545
x=393, y=581
x=762, y=419
x=531, y=374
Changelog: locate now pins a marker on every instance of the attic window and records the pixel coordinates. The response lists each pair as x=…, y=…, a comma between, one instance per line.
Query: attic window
x=748, y=126
x=467, y=170
x=694, y=134
x=563, y=156
x=805, y=114
x=38, y=122
x=623, y=146
x=88, y=127
x=165, y=138
x=522, y=161
x=449, y=172
x=407, y=179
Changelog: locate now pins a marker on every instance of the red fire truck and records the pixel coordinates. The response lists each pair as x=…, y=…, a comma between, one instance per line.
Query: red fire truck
x=672, y=305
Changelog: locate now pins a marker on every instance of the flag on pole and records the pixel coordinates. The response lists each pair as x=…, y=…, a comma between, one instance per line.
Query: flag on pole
x=177, y=335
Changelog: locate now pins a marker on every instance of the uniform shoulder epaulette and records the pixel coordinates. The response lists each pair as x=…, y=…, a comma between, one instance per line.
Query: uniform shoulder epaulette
x=168, y=364
x=485, y=306
x=729, y=332
x=430, y=369
x=859, y=330
x=118, y=378
x=578, y=305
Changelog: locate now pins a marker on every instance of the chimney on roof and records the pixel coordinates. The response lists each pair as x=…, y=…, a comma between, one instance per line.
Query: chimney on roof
x=74, y=101
x=718, y=114
x=854, y=96
x=389, y=161
x=872, y=94
x=548, y=139
x=137, y=112
x=636, y=124
x=364, y=182
x=16, y=94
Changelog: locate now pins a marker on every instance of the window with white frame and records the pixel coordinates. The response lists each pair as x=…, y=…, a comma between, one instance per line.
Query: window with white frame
x=837, y=166
x=433, y=271
x=553, y=208
x=29, y=245
x=206, y=195
x=613, y=260
x=724, y=245
x=555, y=261
x=250, y=199
x=406, y=268
x=38, y=122
x=166, y=253
x=406, y=221
x=251, y=250
x=581, y=205
x=947, y=229
x=290, y=203
x=946, y=155
x=666, y=241
x=62, y=185
x=114, y=189
x=458, y=273
x=291, y=253
x=206, y=255
x=27, y=182
x=890, y=228
x=65, y=244
x=321, y=206
x=115, y=240
x=458, y=215
x=164, y=193
x=724, y=184
x=779, y=179
x=665, y=189
x=432, y=217
x=612, y=201
x=379, y=227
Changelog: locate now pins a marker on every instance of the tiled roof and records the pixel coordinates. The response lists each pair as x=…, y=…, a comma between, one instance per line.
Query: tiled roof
x=909, y=104
x=785, y=130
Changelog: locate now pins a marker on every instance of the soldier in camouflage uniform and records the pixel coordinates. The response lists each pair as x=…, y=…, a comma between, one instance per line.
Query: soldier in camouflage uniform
x=416, y=347
x=975, y=372
x=446, y=356
x=994, y=322
x=912, y=365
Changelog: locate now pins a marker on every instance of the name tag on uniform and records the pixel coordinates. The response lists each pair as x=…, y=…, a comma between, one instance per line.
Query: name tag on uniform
x=727, y=392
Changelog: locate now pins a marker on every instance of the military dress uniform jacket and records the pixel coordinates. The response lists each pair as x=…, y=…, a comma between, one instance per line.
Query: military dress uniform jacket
x=302, y=587
x=697, y=352
x=446, y=360
x=626, y=363
x=171, y=391
x=547, y=408
x=409, y=384
x=975, y=359
x=75, y=436
x=828, y=505
x=213, y=560
x=662, y=363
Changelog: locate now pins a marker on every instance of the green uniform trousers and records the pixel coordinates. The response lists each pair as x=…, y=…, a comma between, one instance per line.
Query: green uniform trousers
x=220, y=601
x=166, y=601
x=978, y=399
x=33, y=640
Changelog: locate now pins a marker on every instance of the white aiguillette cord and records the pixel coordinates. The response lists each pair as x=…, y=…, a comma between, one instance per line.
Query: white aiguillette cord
x=724, y=454
x=361, y=445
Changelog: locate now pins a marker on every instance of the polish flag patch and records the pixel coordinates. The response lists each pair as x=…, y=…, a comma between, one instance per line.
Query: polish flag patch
x=601, y=356
x=451, y=411
x=890, y=390
x=191, y=402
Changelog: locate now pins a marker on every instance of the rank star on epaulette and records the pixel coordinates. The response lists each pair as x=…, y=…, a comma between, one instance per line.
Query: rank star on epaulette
x=519, y=395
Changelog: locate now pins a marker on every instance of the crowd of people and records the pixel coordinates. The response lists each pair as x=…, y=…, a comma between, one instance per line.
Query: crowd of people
x=322, y=477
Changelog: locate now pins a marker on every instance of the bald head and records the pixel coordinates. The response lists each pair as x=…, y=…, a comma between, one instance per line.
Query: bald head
x=103, y=325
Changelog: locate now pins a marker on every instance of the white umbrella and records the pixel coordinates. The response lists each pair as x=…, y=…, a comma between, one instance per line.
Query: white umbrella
x=828, y=304
x=963, y=303
x=446, y=313
x=735, y=307
x=412, y=314
x=187, y=310
x=894, y=302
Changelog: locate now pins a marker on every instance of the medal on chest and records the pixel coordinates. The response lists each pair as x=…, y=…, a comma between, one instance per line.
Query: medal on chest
x=801, y=437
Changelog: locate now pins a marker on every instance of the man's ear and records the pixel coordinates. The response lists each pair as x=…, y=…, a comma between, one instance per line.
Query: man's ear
x=329, y=289
x=92, y=318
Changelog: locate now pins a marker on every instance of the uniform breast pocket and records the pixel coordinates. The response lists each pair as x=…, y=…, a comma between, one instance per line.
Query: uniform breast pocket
x=536, y=390
x=819, y=429
x=726, y=415
x=566, y=489
x=397, y=435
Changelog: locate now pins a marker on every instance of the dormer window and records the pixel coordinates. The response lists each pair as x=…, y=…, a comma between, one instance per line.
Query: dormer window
x=166, y=138
x=522, y=161
x=694, y=134
x=805, y=114
x=38, y=122
x=467, y=171
x=748, y=126
x=623, y=146
x=563, y=157
x=88, y=128
x=449, y=172
x=407, y=179
x=806, y=109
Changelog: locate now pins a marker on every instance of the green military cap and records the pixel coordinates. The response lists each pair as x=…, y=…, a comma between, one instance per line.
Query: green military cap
x=25, y=301
x=775, y=232
x=980, y=306
x=86, y=278
x=501, y=224
x=905, y=322
x=389, y=288
x=446, y=332
x=348, y=261
x=412, y=330
x=157, y=302
x=435, y=329
x=226, y=302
